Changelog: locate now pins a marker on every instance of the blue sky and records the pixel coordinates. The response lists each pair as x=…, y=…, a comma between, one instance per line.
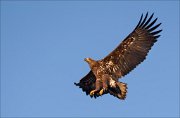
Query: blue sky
x=43, y=44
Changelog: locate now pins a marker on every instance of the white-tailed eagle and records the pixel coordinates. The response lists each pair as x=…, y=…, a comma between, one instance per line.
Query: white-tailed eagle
x=104, y=74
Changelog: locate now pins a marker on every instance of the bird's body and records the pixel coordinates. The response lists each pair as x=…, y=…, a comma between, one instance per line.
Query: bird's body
x=104, y=74
x=105, y=81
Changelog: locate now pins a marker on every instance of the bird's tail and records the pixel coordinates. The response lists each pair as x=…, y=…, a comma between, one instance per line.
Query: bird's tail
x=123, y=90
x=120, y=90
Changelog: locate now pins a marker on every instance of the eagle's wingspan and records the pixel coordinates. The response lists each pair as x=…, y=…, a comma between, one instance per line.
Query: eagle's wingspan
x=87, y=83
x=133, y=49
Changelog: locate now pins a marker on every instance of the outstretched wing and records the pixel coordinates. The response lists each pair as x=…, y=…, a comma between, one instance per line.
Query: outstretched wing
x=133, y=49
x=87, y=83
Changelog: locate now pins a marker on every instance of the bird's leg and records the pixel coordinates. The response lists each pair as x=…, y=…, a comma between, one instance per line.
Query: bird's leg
x=105, y=84
x=92, y=92
x=98, y=85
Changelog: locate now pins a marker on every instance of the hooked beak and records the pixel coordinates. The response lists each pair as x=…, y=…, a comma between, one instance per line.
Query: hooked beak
x=85, y=59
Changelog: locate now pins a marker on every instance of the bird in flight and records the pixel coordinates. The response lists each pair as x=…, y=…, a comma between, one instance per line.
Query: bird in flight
x=105, y=73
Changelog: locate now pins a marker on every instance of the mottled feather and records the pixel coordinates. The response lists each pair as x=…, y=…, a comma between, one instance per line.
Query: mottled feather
x=135, y=47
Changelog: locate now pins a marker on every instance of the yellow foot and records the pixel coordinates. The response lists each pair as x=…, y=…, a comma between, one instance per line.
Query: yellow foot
x=101, y=92
x=92, y=92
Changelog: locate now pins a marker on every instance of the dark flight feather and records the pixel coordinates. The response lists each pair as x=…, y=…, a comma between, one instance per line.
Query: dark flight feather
x=134, y=49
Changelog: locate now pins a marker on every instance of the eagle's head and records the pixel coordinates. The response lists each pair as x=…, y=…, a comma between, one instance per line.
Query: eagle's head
x=90, y=61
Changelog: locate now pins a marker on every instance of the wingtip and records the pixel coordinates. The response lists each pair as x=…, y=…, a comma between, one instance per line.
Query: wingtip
x=139, y=23
x=153, y=28
x=153, y=13
x=157, y=36
x=77, y=84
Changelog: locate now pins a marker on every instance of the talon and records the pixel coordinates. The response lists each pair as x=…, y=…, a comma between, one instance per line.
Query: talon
x=92, y=92
x=101, y=92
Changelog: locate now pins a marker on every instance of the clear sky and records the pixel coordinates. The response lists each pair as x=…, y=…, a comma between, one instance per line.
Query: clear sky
x=44, y=43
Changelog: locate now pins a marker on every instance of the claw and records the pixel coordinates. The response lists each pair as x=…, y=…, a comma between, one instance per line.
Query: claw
x=101, y=92
x=92, y=92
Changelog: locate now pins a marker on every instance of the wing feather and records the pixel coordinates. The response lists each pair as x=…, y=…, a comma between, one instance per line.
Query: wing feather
x=148, y=21
x=134, y=49
x=87, y=83
x=151, y=24
x=143, y=20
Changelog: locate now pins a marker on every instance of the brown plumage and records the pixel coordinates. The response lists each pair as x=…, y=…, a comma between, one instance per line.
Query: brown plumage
x=104, y=74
